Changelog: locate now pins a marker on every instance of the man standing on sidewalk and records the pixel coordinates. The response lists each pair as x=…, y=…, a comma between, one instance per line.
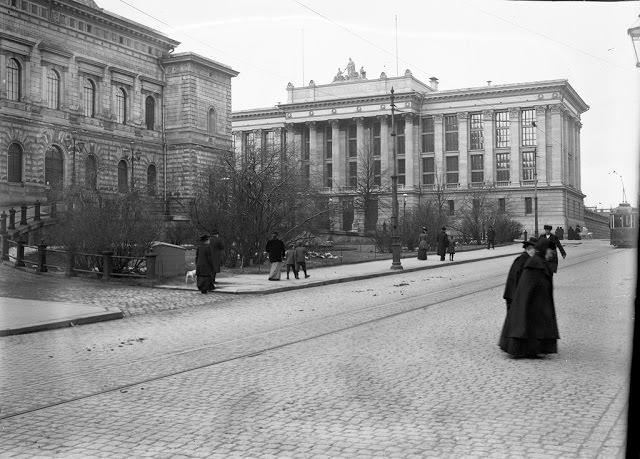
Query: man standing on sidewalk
x=491, y=238
x=275, y=248
x=442, y=242
x=556, y=245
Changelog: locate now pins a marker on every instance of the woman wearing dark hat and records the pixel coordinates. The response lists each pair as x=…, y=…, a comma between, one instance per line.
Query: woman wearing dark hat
x=516, y=269
x=204, y=265
x=217, y=249
x=531, y=328
x=422, y=244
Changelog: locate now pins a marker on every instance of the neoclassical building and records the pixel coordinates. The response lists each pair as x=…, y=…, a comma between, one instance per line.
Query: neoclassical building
x=94, y=99
x=512, y=142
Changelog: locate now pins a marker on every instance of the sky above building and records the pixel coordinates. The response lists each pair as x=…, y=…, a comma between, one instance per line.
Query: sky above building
x=464, y=43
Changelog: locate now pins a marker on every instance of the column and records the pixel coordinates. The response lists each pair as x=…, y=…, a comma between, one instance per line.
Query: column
x=438, y=142
x=386, y=155
x=541, y=141
x=463, y=149
x=137, y=104
x=577, y=155
x=315, y=157
x=3, y=75
x=556, y=146
x=338, y=156
x=514, y=133
x=489, y=162
x=410, y=158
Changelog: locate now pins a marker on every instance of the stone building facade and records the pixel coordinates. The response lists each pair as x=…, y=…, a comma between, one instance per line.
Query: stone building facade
x=97, y=100
x=512, y=142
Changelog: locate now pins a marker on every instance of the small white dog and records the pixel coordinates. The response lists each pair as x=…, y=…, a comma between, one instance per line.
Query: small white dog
x=190, y=276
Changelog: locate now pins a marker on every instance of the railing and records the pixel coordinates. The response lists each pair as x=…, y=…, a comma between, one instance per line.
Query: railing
x=503, y=184
x=25, y=215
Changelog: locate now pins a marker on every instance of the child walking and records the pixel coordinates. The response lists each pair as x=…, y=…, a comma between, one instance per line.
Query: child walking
x=290, y=257
x=451, y=249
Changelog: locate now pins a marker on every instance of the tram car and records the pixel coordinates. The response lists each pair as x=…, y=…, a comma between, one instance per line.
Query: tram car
x=623, y=226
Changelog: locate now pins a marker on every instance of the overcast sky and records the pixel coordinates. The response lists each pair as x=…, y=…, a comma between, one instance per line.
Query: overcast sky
x=462, y=43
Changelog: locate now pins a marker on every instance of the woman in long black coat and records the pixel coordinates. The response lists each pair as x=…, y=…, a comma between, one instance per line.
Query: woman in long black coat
x=530, y=327
x=204, y=265
x=516, y=270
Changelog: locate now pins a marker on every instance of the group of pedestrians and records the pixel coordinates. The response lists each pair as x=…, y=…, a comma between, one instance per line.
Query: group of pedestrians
x=295, y=257
x=530, y=328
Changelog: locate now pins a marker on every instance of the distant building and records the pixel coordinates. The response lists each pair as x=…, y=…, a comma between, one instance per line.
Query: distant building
x=73, y=73
x=512, y=141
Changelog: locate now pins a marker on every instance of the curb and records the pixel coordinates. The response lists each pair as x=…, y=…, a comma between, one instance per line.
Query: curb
x=111, y=314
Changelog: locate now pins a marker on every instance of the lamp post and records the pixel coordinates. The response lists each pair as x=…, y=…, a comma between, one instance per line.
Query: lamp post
x=71, y=142
x=330, y=218
x=634, y=33
x=535, y=202
x=395, y=237
x=404, y=215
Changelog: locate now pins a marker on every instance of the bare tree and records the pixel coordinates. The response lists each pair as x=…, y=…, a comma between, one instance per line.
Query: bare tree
x=370, y=185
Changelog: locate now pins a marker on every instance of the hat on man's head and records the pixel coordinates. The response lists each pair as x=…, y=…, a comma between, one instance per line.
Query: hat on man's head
x=204, y=237
x=547, y=227
x=444, y=228
x=424, y=228
x=531, y=242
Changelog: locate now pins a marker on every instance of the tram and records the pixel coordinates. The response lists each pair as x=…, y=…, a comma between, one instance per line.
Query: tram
x=623, y=226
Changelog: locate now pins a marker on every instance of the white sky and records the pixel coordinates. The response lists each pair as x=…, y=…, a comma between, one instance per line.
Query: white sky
x=463, y=43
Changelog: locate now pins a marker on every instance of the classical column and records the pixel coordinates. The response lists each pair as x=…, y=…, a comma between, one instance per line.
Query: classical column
x=385, y=150
x=556, y=147
x=337, y=149
x=514, y=134
x=463, y=149
x=411, y=168
x=438, y=142
x=541, y=144
x=577, y=156
x=489, y=162
x=315, y=157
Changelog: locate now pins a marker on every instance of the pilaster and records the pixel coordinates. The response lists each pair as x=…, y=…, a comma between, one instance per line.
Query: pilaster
x=386, y=155
x=514, y=133
x=438, y=142
x=577, y=155
x=315, y=157
x=463, y=149
x=489, y=154
x=338, y=155
x=410, y=157
x=541, y=141
x=556, y=146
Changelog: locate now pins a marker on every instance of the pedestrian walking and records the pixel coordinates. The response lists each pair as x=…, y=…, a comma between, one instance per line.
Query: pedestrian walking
x=275, y=248
x=556, y=245
x=516, y=270
x=442, y=241
x=423, y=244
x=530, y=327
x=290, y=257
x=217, y=250
x=204, y=265
x=491, y=238
x=451, y=249
x=301, y=259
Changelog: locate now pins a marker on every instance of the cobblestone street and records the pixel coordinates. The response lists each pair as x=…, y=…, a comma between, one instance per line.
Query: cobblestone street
x=399, y=366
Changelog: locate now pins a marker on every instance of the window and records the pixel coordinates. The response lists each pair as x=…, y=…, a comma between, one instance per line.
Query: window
x=352, y=141
x=211, y=121
x=502, y=167
x=502, y=205
x=452, y=207
x=428, y=171
x=34, y=9
x=44, y=12
x=401, y=172
x=15, y=163
x=53, y=168
x=400, y=137
x=451, y=133
x=268, y=140
x=305, y=143
x=328, y=142
x=376, y=138
x=476, y=133
x=14, y=80
x=121, y=106
x=353, y=174
x=528, y=127
x=150, y=113
x=528, y=206
x=477, y=168
x=89, y=98
x=328, y=175
x=72, y=22
x=428, y=131
x=377, y=172
x=89, y=27
x=90, y=173
x=475, y=203
x=53, y=89
x=529, y=166
x=123, y=176
x=151, y=180
x=502, y=130
x=452, y=169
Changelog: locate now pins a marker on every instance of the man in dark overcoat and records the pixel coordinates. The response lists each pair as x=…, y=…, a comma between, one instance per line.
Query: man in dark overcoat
x=217, y=250
x=442, y=242
x=555, y=245
x=204, y=265
x=516, y=269
x=275, y=248
x=491, y=238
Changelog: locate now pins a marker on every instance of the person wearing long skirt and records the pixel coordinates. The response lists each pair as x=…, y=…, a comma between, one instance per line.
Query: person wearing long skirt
x=423, y=245
x=516, y=269
x=531, y=328
x=204, y=265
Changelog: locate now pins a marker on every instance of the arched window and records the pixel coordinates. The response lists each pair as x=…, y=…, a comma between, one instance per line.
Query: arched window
x=14, y=75
x=89, y=98
x=211, y=122
x=53, y=89
x=123, y=176
x=54, y=168
x=151, y=180
x=150, y=112
x=15, y=163
x=90, y=173
x=121, y=106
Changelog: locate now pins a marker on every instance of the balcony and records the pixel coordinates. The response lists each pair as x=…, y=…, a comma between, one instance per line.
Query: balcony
x=503, y=184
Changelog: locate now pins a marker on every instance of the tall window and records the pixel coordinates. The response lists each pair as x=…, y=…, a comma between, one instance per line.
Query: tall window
x=452, y=169
x=502, y=204
x=268, y=140
x=328, y=142
x=451, y=133
x=476, y=133
x=502, y=130
x=401, y=172
x=377, y=172
x=211, y=121
x=400, y=136
x=428, y=131
x=150, y=112
x=529, y=165
x=428, y=171
x=376, y=138
x=123, y=176
x=90, y=173
x=528, y=206
x=89, y=92
x=352, y=140
x=151, y=180
x=121, y=106
x=353, y=174
x=477, y=168
x=328, y=175
x=502, y=167
x=306, y=145
x=53, y=89
x=14, y=80
x=528, y=127
x=53, y=168
x=14, y=157
x=452, y=207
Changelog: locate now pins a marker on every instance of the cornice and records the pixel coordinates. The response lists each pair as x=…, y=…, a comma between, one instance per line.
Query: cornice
x=17, y=39
x=84, y=60
x=54, y=50
x=122, y=71
x=148, y=79
x=193, y=57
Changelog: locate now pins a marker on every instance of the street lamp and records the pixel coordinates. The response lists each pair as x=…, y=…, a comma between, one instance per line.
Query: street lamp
x=404, y=214
x=135, y=155
x=71, y=142
x=395, y=237
x=330, y=217
x=634, y=33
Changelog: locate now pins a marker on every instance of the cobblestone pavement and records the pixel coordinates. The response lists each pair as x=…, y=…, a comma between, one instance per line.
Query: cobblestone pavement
x=426, y=382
